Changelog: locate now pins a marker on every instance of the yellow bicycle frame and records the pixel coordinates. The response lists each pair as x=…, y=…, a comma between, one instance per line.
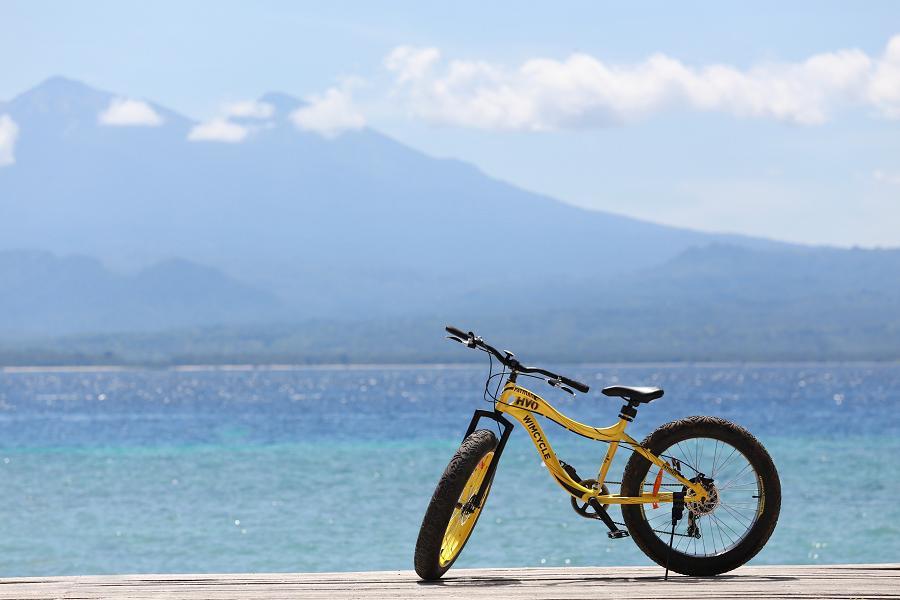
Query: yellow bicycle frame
x=522, y=405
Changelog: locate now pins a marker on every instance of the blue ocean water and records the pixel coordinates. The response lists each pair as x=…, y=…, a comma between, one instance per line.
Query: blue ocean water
x=330, y=469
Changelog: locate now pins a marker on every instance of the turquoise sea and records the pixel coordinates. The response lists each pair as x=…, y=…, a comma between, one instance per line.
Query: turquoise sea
x=330, y=469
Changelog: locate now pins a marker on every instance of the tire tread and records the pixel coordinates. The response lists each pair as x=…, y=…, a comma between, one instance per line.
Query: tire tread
x=636, y=471
x=431, y=534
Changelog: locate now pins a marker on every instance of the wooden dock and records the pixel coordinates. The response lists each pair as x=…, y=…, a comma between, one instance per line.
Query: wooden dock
x=628, y=583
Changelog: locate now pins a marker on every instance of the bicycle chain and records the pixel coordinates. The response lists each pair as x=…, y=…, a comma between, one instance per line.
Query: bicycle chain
x=666, y=532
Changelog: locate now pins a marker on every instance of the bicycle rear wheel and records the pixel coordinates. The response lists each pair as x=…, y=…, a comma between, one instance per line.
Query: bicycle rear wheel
x=741, y=510
x=451, y=515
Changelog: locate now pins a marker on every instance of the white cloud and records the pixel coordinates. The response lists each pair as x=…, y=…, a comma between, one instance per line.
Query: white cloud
x=9, y=133
x=218, y=130
x=884, y=88
x=249, y=109
x=224, y=129
x=329, y=114
x=583, y=91
x=128, y=112
x=411, y=63
x=886, y=177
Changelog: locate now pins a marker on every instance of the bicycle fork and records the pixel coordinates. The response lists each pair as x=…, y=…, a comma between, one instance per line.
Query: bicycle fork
x=498, y=451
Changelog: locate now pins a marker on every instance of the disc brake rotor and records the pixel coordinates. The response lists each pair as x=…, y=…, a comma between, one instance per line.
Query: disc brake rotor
x=707, y=505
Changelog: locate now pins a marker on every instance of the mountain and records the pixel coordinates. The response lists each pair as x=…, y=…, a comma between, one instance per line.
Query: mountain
x=300, y=248
x=358, y=224
x=42, y=294
x=712, y=303
x=725, y=302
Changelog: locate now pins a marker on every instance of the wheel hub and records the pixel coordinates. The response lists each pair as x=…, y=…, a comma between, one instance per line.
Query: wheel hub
x=707, y=505
x=468, y=508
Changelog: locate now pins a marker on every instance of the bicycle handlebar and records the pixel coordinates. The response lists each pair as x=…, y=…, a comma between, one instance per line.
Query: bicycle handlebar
x=473, y=341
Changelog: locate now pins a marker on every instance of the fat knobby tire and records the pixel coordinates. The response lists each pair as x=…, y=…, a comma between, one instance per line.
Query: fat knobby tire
x=443, y=502
x=708, y=427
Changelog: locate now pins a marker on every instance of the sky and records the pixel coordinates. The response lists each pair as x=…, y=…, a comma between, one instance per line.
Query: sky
x=772, y=119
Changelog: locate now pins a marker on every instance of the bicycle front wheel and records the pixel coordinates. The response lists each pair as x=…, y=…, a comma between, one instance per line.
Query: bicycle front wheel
x=735, y=521
x=451, y=515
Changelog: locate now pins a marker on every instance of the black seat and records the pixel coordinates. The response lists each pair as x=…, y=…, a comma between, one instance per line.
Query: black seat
x=638, y=395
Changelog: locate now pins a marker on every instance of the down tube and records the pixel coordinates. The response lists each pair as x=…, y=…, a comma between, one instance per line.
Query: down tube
x=536, y=432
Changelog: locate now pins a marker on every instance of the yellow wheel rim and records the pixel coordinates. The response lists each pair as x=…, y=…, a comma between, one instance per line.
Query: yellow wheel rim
x=463, y=521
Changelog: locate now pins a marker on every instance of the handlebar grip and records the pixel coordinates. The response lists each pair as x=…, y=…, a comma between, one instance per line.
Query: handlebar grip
x=457, y=332
x=578, y=386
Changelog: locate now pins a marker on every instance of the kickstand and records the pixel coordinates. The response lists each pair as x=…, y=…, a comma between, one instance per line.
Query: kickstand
x=677, y=513
x=669, y=550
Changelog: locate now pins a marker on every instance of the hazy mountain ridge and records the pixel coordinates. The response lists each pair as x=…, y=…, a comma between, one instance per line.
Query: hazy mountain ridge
x=359, y=248
x=708, y=304
x=42, y=294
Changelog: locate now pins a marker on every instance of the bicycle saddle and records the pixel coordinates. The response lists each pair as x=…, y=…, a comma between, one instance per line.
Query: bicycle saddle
x=640, y=395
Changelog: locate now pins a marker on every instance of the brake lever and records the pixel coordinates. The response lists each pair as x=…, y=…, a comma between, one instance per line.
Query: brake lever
x=558, y=384
x=471, y=342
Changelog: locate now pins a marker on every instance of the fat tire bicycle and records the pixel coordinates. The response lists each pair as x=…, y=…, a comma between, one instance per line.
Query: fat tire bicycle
x=721, y=483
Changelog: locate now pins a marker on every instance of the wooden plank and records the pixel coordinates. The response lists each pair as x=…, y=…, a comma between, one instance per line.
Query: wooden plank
x=637, y=583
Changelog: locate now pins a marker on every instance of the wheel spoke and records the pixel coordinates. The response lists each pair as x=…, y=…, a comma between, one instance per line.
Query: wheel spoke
x=726, y=526
x=735, y=478
x=727, y=460
x=715, y=459
x=700, y=456
x=731, y=508
x=738, y=517
x=702, y=537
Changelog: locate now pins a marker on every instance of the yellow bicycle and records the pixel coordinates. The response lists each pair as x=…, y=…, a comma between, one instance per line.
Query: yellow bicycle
x=711, y=469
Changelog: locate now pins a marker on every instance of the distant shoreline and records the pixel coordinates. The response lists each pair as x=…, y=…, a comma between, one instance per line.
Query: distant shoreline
x=201, y=368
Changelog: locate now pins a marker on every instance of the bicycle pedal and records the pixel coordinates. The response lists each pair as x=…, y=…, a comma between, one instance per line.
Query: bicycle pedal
x=618, y=534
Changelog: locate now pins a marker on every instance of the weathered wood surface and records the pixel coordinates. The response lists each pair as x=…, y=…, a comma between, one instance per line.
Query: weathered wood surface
x=626, y=583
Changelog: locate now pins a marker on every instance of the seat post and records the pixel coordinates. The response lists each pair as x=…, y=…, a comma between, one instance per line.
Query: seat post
x=628, y=411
